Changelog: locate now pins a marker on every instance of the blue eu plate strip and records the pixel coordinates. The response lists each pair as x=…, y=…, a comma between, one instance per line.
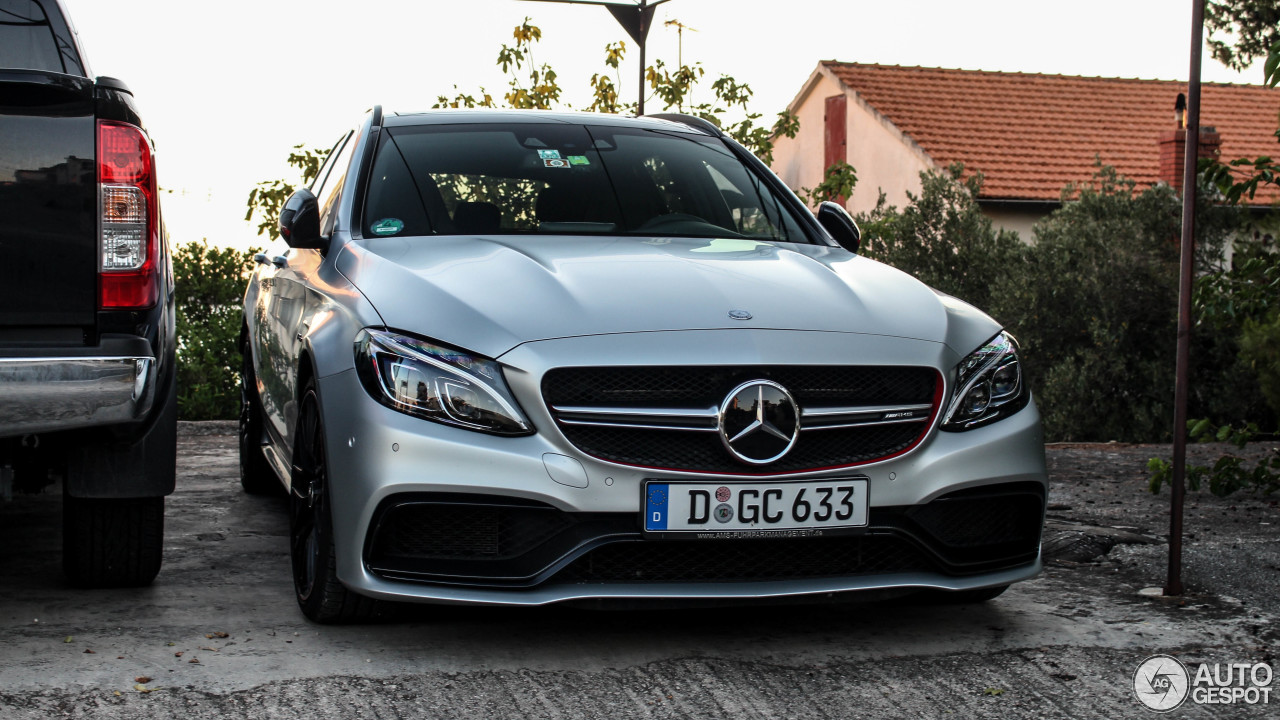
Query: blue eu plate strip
x=655, y=514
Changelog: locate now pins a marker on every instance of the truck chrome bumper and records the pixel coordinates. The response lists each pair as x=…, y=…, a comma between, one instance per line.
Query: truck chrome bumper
x=47, y=394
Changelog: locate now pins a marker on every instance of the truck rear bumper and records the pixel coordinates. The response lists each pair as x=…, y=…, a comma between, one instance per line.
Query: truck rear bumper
x=51, y=393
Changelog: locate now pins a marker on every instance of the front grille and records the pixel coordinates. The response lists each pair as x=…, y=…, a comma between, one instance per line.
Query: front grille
x=744, y=561
x=684, y=386
x=699, y=448
x=703, y=452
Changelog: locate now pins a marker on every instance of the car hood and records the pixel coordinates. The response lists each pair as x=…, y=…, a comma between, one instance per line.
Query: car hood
x=490, y=294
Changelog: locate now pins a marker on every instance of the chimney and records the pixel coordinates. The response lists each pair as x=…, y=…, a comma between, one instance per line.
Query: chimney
x=1173, y=148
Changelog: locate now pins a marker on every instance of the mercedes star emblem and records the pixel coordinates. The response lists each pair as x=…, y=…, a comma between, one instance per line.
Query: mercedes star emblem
x=759, y=422
x=739, y=314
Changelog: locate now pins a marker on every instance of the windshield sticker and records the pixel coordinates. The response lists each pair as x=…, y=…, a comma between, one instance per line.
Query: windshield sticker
x=579, y=160
x=731, y=245
x=555, y=162
x=387, y=226
x=549, y=154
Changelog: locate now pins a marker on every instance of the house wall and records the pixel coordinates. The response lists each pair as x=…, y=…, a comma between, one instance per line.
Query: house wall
x=1019, y=221
x=798, y=161
x=882, y=156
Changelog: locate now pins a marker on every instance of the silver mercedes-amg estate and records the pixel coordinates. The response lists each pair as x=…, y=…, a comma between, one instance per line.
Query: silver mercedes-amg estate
x=516, y=358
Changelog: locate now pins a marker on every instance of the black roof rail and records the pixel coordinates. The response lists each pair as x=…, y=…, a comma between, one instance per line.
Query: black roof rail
x=691, y=120
x=377, y=116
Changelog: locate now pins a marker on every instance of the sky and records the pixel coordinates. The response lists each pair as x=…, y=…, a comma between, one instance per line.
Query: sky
x=227, y=88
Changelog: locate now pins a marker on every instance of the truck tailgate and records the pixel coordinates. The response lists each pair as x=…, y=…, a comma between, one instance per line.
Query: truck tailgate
x=48, y=203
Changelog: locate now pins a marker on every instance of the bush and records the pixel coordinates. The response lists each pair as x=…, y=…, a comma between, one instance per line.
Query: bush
x=210, y=285
x=944, y=240
x=1093, y=301
x=1260, y=351
x=1097, y=308
x=1238, y=313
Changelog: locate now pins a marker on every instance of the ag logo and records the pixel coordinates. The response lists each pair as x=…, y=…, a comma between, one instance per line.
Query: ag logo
x=1161, y=683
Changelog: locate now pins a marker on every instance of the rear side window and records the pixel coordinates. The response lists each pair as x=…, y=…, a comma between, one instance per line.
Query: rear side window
x=32, y=39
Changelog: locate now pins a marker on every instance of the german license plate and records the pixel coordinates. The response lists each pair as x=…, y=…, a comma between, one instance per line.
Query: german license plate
x=750, y=508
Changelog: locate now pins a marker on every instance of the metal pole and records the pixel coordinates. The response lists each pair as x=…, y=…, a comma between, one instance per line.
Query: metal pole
x=640, y=105
x=1173, y=585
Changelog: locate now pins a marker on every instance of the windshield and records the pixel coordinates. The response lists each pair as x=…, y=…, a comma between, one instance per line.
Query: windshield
x=553, y=178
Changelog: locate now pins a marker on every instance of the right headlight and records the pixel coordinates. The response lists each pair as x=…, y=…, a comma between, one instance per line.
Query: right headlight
x=435, y=382
x=989, y=386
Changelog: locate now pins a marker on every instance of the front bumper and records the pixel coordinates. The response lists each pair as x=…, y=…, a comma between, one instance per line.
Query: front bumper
x=379, y=457
x=63, y=389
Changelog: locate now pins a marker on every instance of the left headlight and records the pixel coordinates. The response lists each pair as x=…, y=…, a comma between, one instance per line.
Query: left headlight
x=989, y=386
x=439, y=383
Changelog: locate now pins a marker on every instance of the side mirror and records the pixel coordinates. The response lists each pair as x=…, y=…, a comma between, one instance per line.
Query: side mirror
x=840, y=225
x=300, y=221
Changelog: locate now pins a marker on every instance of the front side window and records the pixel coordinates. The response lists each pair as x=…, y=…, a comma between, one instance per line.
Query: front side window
x=555, y=178
x=331, y=177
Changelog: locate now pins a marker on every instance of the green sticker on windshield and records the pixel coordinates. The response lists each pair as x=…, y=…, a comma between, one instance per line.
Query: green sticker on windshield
x=579, y=160
x=549, y=154
x=387, y=226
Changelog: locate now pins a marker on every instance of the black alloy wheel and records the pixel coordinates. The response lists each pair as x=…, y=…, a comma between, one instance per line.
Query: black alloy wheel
x=321, y=596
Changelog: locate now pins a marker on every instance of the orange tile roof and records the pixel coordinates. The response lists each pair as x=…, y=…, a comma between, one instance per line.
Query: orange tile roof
x=1032, y=134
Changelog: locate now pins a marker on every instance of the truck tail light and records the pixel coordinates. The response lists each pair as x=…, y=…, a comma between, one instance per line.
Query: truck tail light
x=128, y=226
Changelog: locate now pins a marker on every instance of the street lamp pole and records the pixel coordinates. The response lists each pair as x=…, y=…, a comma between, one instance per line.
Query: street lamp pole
x=636, y=19
x=1173, y=583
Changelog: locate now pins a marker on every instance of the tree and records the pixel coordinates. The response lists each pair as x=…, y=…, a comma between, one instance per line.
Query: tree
x=210, y=283
x=1253, y=24
x=266, y=199
x=837, y=184
x=536, y=86
x=1244, y=302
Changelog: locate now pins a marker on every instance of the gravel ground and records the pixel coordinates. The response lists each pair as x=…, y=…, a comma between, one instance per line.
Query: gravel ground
x=1064, y=645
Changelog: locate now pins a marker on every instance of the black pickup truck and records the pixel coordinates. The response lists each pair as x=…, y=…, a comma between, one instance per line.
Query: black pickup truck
x=87, y=394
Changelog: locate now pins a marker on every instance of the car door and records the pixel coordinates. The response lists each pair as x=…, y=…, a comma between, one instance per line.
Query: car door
x=284, y=299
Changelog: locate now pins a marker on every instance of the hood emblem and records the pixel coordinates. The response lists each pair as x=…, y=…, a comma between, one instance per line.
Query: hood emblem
x=759, y=422
x=739, y=314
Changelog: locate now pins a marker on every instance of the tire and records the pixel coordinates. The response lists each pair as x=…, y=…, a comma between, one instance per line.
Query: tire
x=321, y=596
x=112, y=542
x=256, y=475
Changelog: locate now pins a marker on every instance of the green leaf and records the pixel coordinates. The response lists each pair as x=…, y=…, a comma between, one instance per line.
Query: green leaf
x=1197, y=428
